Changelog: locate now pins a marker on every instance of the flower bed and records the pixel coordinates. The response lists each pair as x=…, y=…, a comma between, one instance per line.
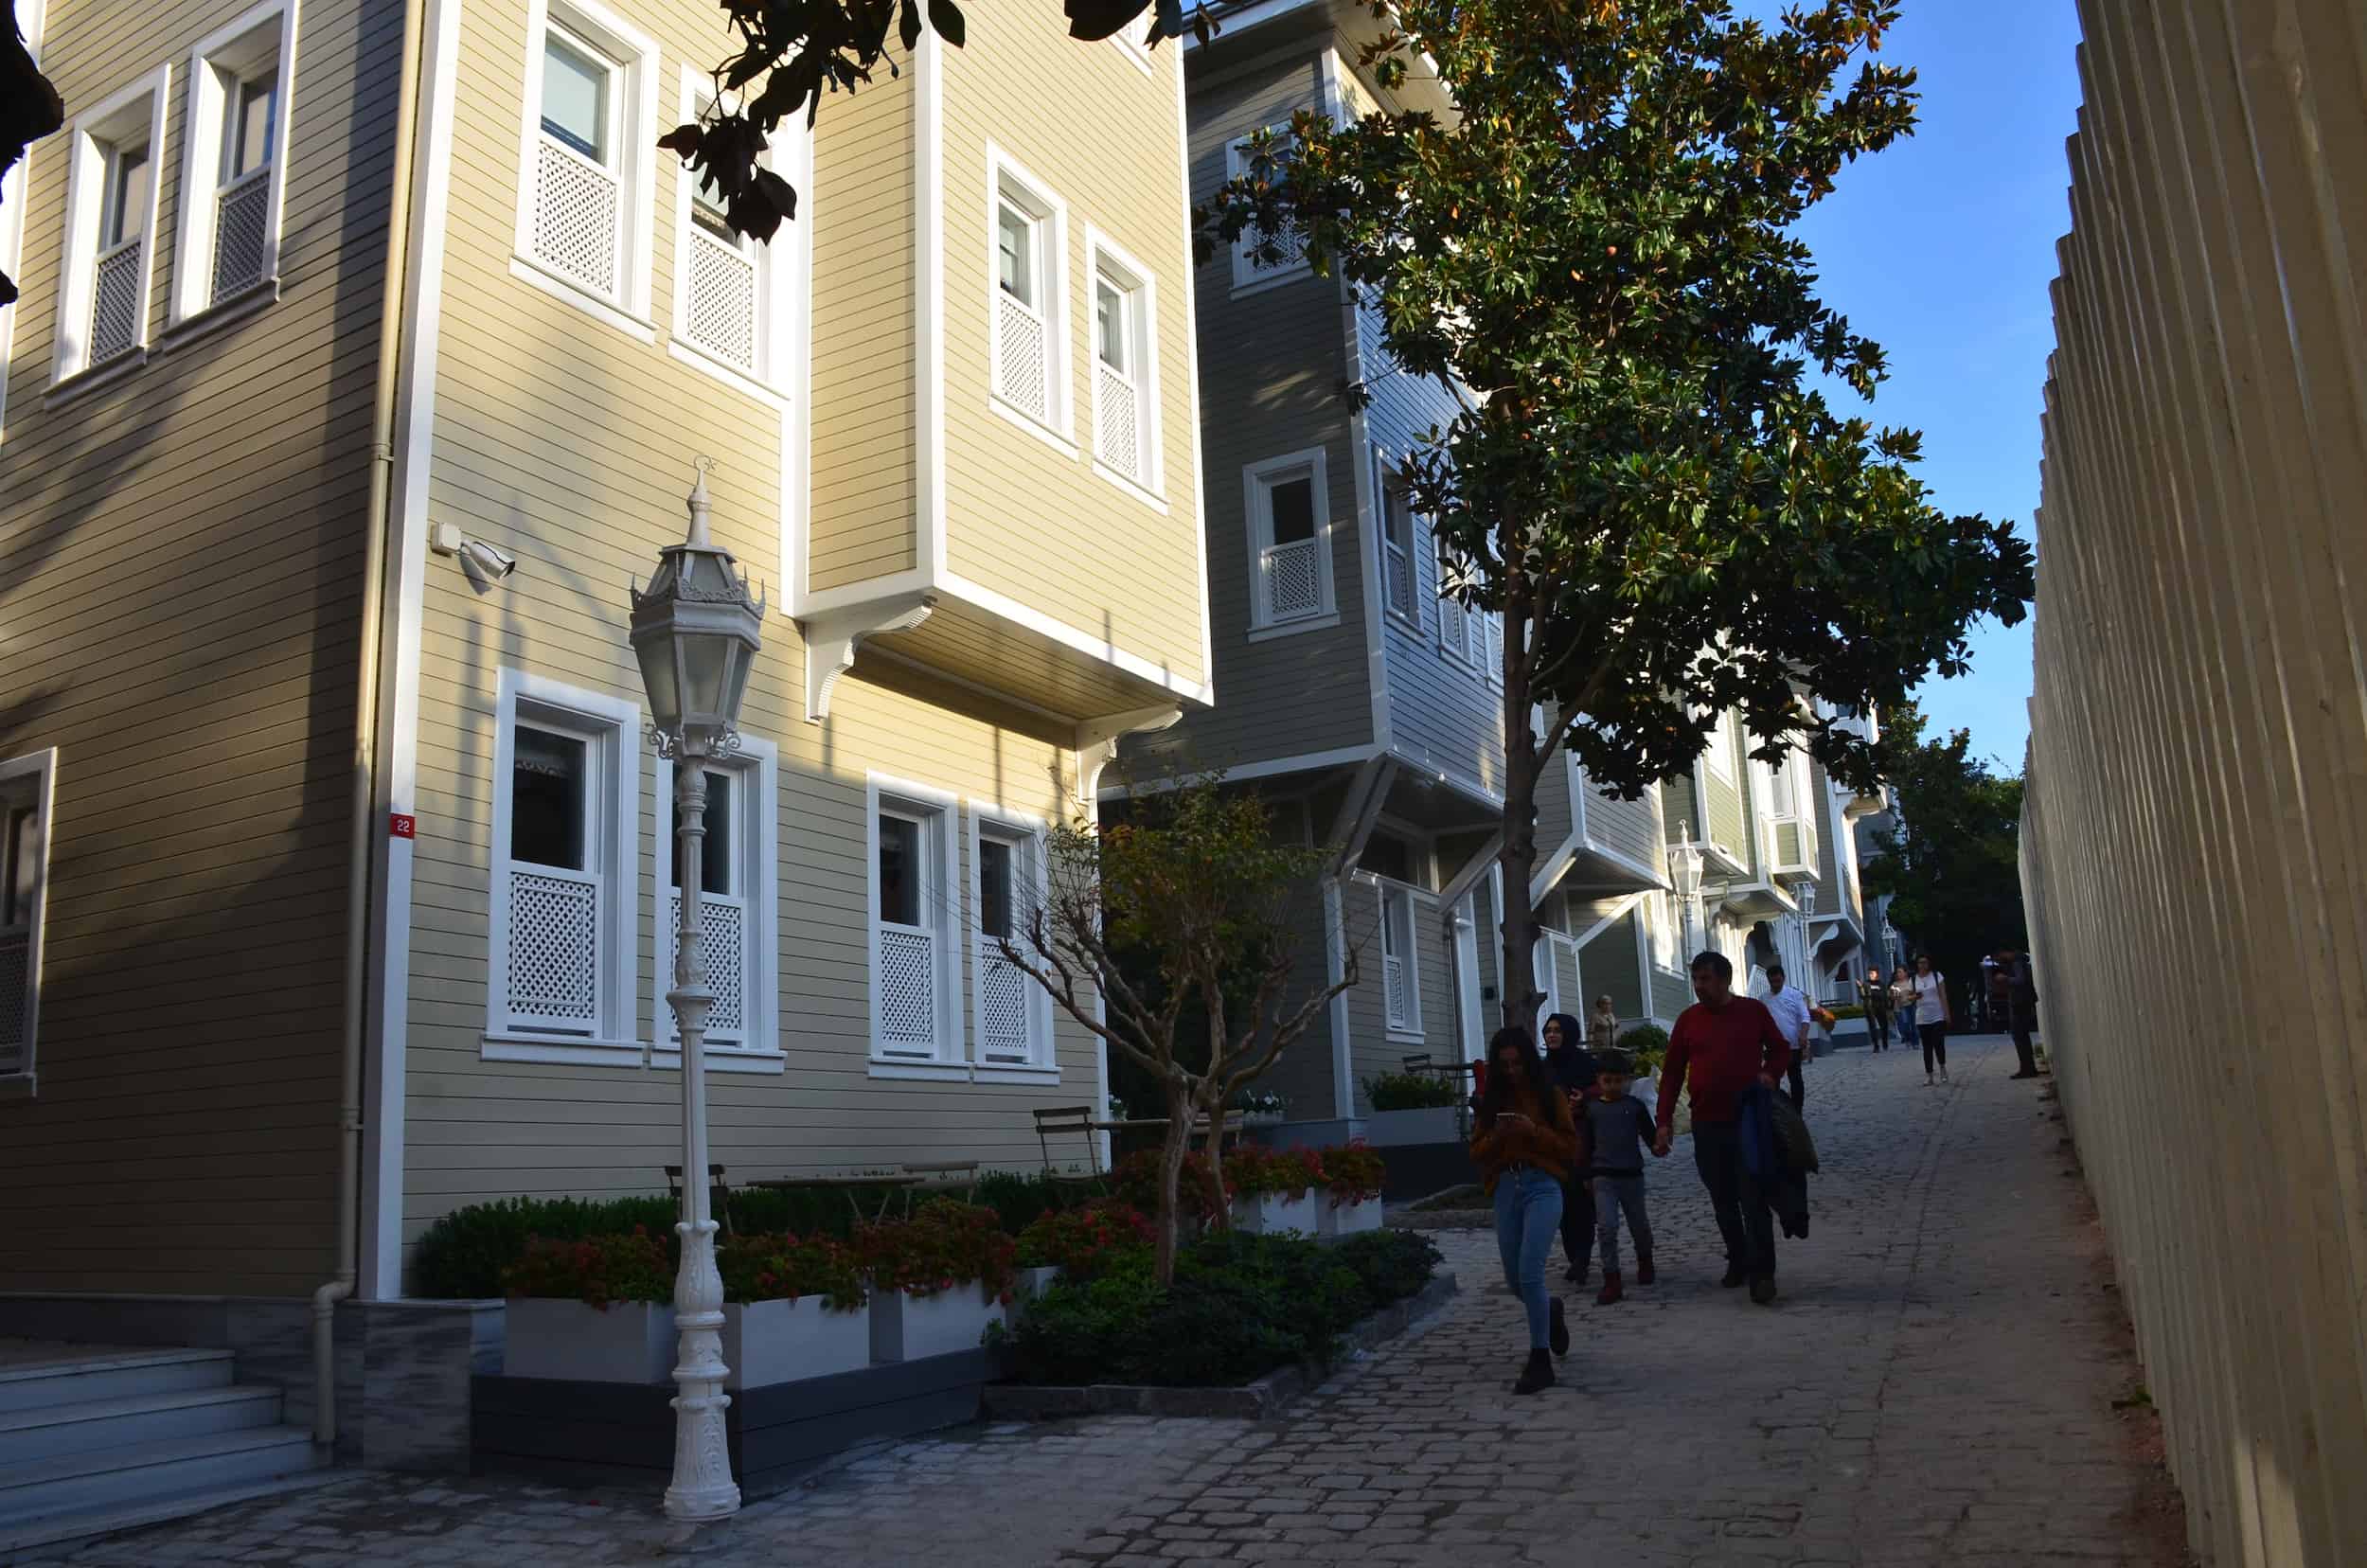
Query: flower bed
x=1351, y=1205
x=1242, y=1305
x=940, y=1280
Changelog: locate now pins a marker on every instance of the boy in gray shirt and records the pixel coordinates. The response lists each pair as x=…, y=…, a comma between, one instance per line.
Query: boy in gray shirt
x=1617, y=1129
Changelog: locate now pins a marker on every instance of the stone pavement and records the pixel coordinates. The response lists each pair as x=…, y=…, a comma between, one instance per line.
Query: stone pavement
x=1937, y=1384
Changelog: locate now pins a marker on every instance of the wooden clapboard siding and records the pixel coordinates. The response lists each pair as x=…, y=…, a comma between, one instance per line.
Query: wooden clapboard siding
x=1024, y=518
x=181, y=557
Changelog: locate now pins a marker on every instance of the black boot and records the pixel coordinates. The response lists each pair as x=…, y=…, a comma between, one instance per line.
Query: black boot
x=1558, y=1336
x=1538, y=1375
x=1735, y=1275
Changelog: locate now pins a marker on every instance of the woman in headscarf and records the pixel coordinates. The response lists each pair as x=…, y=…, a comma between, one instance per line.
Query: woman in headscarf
x=1572, y=1067
x=1526, y=1150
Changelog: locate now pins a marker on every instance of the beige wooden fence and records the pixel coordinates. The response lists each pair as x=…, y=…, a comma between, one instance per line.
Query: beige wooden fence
x=2195, y=846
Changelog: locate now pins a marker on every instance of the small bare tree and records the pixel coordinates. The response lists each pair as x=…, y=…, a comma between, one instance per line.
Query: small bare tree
x=1190, y=900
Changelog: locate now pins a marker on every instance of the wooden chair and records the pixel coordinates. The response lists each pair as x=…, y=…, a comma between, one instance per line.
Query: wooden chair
x=719, y=1195
x=1055, y=1121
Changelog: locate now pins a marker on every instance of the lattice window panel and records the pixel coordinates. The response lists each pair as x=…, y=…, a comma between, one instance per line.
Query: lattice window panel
x=579, y=217
x=1495, y=650
x=1400, y=989
x=1450, y=632
x=1118, y=422
x=16, y=985
x=722, y=314
x=1401, y=581
x=1294, y=582
x=1004, y=1031
x=724, y=951
x=554, y=980
x=1023, y=356
x=908, y=993
x=115, y=316
x=242, y=214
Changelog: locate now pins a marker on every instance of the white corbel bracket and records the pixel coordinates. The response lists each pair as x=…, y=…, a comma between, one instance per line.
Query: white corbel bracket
x=832, y=637
x=1097, y=742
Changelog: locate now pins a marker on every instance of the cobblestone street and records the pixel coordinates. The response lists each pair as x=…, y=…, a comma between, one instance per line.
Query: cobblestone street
x=1946, y=1378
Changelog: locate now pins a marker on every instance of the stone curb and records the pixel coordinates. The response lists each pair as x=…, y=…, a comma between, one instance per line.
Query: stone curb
x=1262, y=1400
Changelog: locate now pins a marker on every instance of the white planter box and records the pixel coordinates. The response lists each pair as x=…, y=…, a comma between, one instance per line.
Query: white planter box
x=1349, y=1219
x=1266, y=1214
x=1032, y=1283
x=1435, y=1124
x=630, y=1343
x=779, y=1342
x=909, y=1328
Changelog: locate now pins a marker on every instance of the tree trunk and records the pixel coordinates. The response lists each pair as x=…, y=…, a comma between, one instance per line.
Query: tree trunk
x=1220, y=1210
x=1517, y=981
x=1169, y=1218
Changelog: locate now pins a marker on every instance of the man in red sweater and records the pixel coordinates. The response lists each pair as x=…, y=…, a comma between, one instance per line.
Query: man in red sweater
x=1723, y=1043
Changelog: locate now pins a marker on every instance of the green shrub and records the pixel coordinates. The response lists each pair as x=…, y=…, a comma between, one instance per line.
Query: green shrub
x=1354, y=1173
x=1081, y=1242
x=1242, y=1305
x=464, y=1254
x=1647, y=1045
x=1392, y=1264
x=1411, y=1091
x=1849, y=1009
x=944, y=1245
x=1019, y=1199
x=1137, y=1180
x=1256, y=1171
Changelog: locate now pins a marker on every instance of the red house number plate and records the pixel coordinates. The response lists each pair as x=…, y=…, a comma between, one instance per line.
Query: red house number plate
x=404, y=826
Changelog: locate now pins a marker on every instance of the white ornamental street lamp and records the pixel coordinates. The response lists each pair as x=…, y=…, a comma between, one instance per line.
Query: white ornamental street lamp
x=1803, y=892
x=1684, y=870
x=695, y=632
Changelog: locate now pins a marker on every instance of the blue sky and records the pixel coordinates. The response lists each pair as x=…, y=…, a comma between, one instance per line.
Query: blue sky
x=1941, y=249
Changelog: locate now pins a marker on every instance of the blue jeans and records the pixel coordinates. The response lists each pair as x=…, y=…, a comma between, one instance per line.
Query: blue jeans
x=1528, y=1213
x=1907, y=1027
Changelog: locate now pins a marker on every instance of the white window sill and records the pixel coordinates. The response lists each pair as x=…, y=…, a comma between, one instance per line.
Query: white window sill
x=1148, y=496
x=1292, y=628
x=1056, y=439
x=1410, y=625
x=1404, y=1036
x=66, y=388
x=942, y=1071
x=18, y=1086
x=722, y=1058
x=221, y=313
x=1010, y=1073
x=729, y=374
x=1273, y=279
x=528, y=271
x=569, y=1053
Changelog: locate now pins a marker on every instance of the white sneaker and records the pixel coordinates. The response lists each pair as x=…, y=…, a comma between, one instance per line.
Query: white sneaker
x=1943, y=1075
x=1927, y=1081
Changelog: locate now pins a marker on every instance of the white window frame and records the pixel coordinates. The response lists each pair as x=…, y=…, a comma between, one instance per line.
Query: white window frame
x=135, y=113
x=1395, y=530
x=632, y=57
x=34, y=775
x=1721, y=748
x=1258, y=482
x=1008, y=181
x=1139, y=290
x=1492, y=641
x=778, y=282
x=938, y=811
x=1248, y=277
x=1462, y=634
x=612, y=838
x=1133, y=41
x=755, y=773
x=1028, y=835
x=229, y=57
x=1396, y=926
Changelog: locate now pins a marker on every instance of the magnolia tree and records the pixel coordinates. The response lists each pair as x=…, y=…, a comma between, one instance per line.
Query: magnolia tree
x=1595, y=254
x=1180, y=916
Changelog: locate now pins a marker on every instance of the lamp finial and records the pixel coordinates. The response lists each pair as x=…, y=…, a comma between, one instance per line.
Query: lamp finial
x=700, y=504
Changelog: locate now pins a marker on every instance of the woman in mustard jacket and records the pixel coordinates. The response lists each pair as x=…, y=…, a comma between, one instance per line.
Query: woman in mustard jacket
x=1525, y=1147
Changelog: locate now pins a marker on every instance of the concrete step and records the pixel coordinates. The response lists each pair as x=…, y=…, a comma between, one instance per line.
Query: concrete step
x=38, y=1540
x=120, y=1477
x=87, y=1425
x=112, y=1374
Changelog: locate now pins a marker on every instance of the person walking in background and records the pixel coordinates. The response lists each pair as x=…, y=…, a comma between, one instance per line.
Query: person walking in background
x=1526, y=1147
x=2022, y=1007
x=1903, y=1004
x=1873, y=995
x=1789, y=1004
x=1723, y=1044
x=1934, y=1017
x=1571, y=1066
x=1617, y=1130
x=1602, y=1029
